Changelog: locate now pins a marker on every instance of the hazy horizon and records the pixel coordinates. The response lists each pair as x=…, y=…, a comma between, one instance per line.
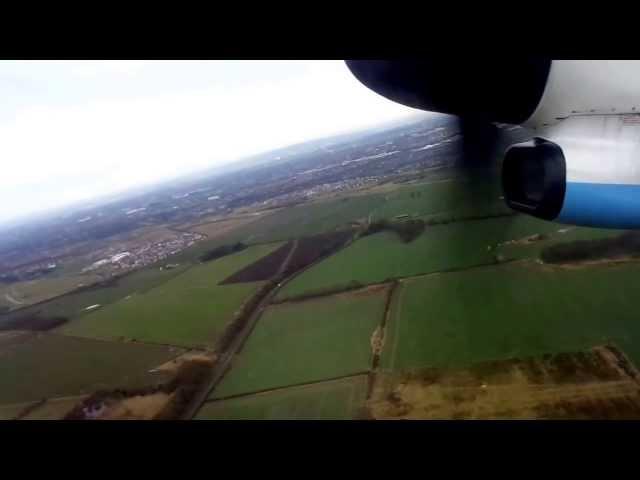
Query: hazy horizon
x=72, y=131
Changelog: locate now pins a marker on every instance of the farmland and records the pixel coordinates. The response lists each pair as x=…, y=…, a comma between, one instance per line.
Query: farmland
x=22, y=294
x=459, y=197
x=297, y=221
x=220, y=227
x=322, y=291
x=511, y=311
x=302, y=342
x=310, y=249
x=52, y=365
x=262, y=269
x=597, y=383
x=73, y=304
x=337, y=213
x=190, y=310
x=332, y=400
x=309, y=219
x=377, y=258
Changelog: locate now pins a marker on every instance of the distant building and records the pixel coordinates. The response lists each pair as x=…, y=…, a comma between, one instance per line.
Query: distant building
x=120, y=256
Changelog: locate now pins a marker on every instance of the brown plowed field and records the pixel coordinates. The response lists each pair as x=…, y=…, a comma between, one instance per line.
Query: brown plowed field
x=263, y=269
x=306, y=251
x=309, y=249
x=598, y=384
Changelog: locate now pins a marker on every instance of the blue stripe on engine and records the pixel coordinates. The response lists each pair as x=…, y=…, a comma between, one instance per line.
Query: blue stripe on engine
x=601, y=205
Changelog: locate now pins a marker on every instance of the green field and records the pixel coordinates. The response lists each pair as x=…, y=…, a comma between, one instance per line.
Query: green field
x=72, y=305
x=456, y=197
x=21, y=294
x=333, y=400
x=305, y=342
x=462, y=197
x=308, y=219
x=54, y=365
x=190, y=310
x=287, y=223
x=508, y=311
x=379, y=257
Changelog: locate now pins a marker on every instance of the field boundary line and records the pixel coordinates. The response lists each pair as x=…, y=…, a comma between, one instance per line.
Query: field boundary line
x=464, y=269
x=311, y=296
x=401, y=290
x=115, y=340
x=351, y=289
x=375, y=360
x=293, y=385
x=144, y=291
x=225, y=360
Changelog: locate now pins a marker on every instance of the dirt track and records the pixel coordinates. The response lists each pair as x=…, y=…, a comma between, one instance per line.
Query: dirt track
x=378, y=338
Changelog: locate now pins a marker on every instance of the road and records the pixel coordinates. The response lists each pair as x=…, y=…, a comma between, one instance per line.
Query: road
x=223, y=363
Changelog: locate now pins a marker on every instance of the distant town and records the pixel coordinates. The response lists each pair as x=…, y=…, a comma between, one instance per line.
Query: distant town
x=283, y=178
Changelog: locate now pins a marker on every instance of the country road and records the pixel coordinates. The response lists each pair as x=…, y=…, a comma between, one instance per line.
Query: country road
x=224, y=360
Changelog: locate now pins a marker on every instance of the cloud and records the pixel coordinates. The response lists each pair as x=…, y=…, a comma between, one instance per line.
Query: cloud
x=72, y=150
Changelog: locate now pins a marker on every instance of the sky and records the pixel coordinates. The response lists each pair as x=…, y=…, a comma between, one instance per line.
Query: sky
x=74, y=130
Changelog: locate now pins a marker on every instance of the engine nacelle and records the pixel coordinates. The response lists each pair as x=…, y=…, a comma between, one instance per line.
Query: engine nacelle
x=493, y=89
x=582, y=168
x=536, y=93
x=583, y=171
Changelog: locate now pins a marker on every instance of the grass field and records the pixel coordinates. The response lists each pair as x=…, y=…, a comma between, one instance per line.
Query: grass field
x=310, y=219
x=336, y=213
x=382, y=256
x=54, y=365
x=219, y=232
x=289, y=223
x=22, y=294
x=73, y=304
x=306, y=342
x=458, y=197
x=511, y=311
x=191, y=309
x=219, y=228
x=333, y=400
